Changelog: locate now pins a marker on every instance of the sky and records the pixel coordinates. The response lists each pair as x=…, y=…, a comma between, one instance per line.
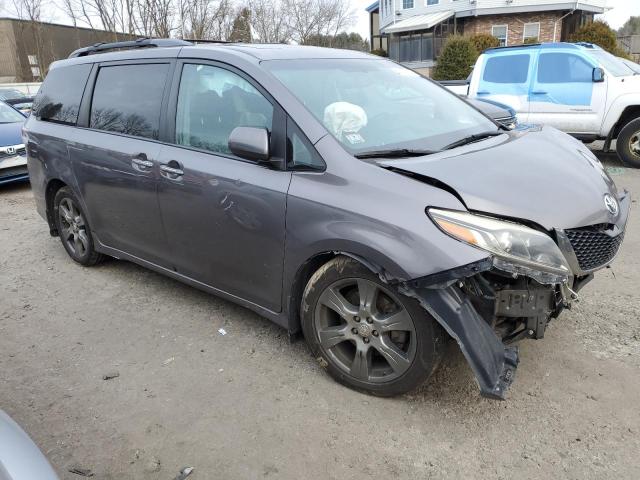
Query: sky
x=621, y=11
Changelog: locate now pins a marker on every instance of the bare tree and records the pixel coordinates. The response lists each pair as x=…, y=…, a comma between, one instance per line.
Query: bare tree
x=28, y=9
x=208, y=19
x=270, y=21
x=299, y=20
x=154, y=18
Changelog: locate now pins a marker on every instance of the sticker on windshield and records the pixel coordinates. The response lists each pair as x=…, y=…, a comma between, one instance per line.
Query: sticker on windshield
x=353, y=138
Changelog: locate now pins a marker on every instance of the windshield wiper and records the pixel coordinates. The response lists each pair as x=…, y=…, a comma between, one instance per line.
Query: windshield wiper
x=472, y=138
x=394, y=153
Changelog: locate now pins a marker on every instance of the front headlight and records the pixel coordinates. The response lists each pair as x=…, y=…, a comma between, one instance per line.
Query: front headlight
x=516, y=248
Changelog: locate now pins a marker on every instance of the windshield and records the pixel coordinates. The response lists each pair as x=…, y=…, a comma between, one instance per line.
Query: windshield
x=632, y=65
x=612, y=64
x=9, y=115
x=376, y=104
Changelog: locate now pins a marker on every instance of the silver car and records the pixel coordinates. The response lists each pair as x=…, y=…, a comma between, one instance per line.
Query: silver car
x=20, y=458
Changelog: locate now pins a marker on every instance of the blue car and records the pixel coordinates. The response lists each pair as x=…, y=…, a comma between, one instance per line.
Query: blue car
x=13, y=158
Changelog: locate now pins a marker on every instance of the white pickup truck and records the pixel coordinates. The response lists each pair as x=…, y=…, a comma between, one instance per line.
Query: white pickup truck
x=576, y=87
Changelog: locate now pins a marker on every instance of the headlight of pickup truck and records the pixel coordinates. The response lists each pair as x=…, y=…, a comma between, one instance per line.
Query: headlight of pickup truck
x=516, y=248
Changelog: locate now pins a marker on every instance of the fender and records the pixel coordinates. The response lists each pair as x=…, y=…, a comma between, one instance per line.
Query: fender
x=616, y=108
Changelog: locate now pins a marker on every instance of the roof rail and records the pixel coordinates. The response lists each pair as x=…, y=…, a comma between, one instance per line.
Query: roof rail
x=196, y=41
x=507, y=47
x=139, y=43
x=586, y=44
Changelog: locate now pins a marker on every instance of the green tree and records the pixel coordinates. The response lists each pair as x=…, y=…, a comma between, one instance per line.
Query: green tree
x=344, y=40
x=482, y=41
x=630, y=27
x=456, y=60
x=241, y=30
x=600, y=33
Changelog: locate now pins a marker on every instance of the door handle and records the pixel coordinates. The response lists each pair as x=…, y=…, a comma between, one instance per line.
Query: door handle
x=483, y=92
x=539, y=92
x=140, y=160
x=172, y=170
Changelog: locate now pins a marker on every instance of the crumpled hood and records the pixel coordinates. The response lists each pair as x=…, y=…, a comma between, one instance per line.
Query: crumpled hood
x=539, y=174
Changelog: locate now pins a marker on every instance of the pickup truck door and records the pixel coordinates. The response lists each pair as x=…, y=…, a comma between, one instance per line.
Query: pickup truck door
x=505, y=76
x=564, y=95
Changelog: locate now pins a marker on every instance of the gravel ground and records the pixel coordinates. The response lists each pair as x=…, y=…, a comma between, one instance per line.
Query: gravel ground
x=249, y=405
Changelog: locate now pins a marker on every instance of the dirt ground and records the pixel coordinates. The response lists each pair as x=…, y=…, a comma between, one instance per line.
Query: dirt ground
x=249, y=405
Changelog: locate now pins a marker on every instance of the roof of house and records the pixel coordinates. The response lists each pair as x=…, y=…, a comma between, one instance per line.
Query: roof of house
x=419, y=22
x=373, y=7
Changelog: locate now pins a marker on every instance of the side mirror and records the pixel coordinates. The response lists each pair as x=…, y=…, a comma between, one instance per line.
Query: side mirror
x=598, y=75
x=250, y=143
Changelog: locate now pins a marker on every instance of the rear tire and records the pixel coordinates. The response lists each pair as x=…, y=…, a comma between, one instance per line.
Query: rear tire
x=73, y=228
x=366, y=334
x=628, y=144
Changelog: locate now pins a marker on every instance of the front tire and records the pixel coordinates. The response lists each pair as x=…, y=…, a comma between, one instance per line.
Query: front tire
x=366, y=334
x=73, y=228
x=628, y=144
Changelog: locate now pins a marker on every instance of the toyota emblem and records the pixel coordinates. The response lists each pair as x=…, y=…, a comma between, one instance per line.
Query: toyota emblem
x=11, y=150
x=611, y=204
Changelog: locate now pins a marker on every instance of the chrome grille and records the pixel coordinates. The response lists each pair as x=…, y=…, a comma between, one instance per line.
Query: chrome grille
x=19, y=151
x=594, y=246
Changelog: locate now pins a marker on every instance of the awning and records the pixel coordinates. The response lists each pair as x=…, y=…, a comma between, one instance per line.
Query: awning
x=418, y=22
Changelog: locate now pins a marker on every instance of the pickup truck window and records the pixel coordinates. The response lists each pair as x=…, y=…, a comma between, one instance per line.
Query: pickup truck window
x=507, y=69
x=563, y=68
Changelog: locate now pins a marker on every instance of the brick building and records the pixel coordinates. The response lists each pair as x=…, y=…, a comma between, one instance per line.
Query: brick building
x=27, y=48
x=413, y=31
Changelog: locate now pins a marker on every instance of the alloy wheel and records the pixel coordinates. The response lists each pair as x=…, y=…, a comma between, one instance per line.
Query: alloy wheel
x=365, y=330
x=73, y=227
x=634, y=144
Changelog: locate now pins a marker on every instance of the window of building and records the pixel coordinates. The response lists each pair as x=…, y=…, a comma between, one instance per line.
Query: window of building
x=563, y=68
x=58, y=100
x=212, y=101
x=407, y=4
x=531, y=32
x=433, y=2
x=507, y=69
x=500, y=32
x=127, y=99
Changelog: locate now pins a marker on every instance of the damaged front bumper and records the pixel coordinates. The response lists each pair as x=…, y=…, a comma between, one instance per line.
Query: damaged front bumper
x=485, y=310
x=490, y=304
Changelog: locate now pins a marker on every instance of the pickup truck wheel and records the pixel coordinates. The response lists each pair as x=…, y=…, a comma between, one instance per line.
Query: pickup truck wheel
x=365, y=333
x=628, y=144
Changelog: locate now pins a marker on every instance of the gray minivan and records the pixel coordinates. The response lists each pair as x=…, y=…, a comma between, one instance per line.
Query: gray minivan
x=336, y=193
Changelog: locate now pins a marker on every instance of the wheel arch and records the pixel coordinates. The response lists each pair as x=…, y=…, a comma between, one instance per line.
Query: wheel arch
x=630, y=113
x=53, y=186
x=308, y=267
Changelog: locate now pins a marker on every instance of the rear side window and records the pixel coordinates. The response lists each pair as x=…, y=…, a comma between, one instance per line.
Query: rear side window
x=507, y=69
x=61, y=93
x=128, y=98
x=563, y=68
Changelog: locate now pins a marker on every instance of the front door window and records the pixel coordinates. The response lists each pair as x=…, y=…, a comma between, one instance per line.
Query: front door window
x=212, y=102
